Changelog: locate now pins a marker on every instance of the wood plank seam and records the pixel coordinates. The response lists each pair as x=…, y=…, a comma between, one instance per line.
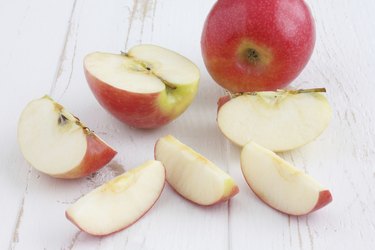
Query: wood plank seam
x=15, y=237
x=59, y=69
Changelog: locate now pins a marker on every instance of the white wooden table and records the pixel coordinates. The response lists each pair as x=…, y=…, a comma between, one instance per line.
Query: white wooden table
x=42, y=44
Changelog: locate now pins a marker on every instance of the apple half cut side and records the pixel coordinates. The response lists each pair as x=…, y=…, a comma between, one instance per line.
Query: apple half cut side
x=120, y=202
x=193, y=176
x=278, y=120
x=57, y=143
x=279, y=184
x=146, y=87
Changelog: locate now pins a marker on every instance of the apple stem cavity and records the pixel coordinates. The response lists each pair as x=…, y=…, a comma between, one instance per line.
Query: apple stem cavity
x=252, y=55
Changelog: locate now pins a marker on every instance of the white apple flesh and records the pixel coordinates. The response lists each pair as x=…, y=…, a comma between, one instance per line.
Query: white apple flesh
x=279, y=121
x=193, y=176
x=279, y=184
x=146, y=87
x=56, y=143
x=120, y=202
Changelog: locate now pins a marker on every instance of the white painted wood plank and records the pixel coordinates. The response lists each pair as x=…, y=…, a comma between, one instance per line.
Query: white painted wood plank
x=180, y=222
x=42, y=51
x=342, y=157
x=173, y=223
x=32, y=35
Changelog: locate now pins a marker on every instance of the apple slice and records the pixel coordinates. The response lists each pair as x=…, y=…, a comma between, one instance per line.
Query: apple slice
x=120, y=202
x=56, y=143
x=279, y=184
x=280, y=121
x=193, y=176
x=146, y=88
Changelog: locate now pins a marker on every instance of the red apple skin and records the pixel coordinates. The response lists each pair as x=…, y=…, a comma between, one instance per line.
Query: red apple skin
x=235, y=190
x=125, y=227
x=252, y=45
x=136, y=110
x=98, y=154
x=324, y=199
x=222, y=100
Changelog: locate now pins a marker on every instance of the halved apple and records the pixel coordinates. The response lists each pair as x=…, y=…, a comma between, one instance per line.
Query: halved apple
x=193, y=176
x=56, y=143
x=278, y=120
x=147, y=87
x=279, y=184
x=120, y=202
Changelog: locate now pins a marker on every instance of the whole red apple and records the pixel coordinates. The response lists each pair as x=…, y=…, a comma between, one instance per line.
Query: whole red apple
x=253, y=45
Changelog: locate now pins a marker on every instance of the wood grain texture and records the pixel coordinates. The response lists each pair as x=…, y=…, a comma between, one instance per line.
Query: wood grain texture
x=29, y=50
x=41, y=51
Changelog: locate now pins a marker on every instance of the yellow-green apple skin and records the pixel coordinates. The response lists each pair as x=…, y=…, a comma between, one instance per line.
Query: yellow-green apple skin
x=155, y=100
x=192, y=175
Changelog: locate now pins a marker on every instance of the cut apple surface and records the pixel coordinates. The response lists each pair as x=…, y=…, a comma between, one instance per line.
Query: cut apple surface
x=280, y=121
x=147, y=87
x=279, y=184
x=56, y=143
x=120, y=202
x=192, y=175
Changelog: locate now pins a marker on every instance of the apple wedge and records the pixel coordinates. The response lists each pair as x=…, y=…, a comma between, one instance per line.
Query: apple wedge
x=56, y=143
x=146, y=87
x=279, y=184
x=278, y=120
x=120, y=202
x=193, y=176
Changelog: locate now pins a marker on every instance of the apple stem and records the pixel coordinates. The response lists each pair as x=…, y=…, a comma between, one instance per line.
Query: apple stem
x=293, y=92
x=299, y=91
